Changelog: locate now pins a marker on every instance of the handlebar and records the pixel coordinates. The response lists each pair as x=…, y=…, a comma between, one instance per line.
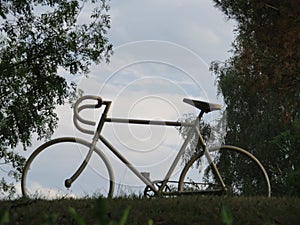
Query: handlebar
x=78, y=109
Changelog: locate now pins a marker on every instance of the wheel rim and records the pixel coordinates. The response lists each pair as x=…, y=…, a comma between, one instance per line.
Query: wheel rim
x=241, y=172
x=47, y=169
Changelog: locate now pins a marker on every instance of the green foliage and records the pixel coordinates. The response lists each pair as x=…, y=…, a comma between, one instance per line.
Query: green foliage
x=101, y=215
x=289, y=143
x=226, y=215
x=4, y=217
x=78, y=218
x=7, y=188
x=260, y=82
x=194, y=210
x=38, y=40
x=51, y=219
x=10, y=157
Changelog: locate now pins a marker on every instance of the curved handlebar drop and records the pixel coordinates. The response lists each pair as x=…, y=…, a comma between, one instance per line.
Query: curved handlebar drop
x=78, y=109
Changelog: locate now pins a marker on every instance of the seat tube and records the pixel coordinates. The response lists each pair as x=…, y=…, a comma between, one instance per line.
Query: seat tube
x=210, y=160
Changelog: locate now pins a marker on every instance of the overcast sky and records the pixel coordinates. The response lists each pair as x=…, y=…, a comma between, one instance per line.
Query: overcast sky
x=162, y=53
x=193, y=24
x=162, y=48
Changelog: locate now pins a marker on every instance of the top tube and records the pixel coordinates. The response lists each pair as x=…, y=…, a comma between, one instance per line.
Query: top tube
x=149, y=122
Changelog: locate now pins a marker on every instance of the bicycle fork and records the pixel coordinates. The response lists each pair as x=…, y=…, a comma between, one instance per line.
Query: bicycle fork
x=69, y=181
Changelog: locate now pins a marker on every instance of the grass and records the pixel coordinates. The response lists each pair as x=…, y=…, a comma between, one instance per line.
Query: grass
x=132, y=211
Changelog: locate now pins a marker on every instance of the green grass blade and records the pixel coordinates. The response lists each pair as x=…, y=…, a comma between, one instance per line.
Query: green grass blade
x=124, y=217
x=226, y=215
x=4, y=217
x=75, y=215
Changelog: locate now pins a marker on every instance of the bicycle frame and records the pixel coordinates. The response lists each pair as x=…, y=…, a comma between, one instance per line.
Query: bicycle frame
x=98, y=136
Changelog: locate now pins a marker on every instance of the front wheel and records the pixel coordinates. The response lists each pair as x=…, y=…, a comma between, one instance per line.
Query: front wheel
x=241, y=172
x=53, y=163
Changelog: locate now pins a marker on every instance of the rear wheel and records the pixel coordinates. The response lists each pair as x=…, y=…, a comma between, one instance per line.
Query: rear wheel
x=50, y=165
x=241, y=172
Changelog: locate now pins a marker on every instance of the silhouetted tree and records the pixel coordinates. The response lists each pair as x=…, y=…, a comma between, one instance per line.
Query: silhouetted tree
x=261, y=83
x=37, y=38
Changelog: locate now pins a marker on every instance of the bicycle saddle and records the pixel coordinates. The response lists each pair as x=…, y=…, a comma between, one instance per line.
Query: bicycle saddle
x=203, y=106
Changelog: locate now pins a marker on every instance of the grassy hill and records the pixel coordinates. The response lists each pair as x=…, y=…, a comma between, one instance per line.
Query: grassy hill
x=180, y=210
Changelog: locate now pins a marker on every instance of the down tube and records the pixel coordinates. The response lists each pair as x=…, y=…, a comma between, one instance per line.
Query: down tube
x=127, y=163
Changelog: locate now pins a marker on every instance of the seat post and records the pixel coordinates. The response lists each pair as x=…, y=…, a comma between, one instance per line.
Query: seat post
x=200, y=115
x=197, y=129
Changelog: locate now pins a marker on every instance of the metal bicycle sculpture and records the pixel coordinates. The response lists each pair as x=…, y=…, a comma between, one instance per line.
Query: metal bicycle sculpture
x=221, y=170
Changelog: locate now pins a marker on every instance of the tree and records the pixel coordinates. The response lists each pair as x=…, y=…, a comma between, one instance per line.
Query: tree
x=289, y=141
x=38, y=39
x=260, y=82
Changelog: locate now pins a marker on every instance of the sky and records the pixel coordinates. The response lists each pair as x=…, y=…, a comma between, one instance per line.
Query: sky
x=162, y=49
x=162, y=53
x=193, y=24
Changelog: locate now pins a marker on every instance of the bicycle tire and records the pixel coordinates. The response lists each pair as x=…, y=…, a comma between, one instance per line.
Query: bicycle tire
x=241, y=172
x=44, y=174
